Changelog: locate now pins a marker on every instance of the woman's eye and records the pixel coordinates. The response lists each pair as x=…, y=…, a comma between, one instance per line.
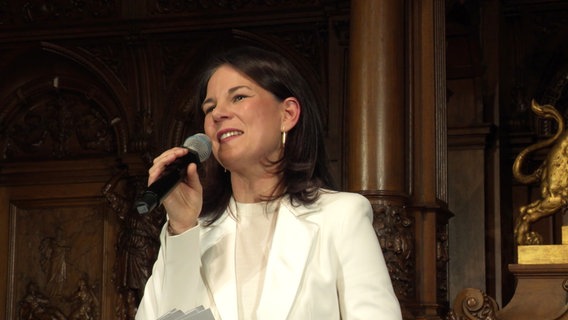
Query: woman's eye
x=207, y=110
x=238, y=98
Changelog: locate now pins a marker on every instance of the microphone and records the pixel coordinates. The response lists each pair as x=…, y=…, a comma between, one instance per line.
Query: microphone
x=199, y=146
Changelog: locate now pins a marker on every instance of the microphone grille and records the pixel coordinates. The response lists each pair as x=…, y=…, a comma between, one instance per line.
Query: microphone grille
x=199, y=143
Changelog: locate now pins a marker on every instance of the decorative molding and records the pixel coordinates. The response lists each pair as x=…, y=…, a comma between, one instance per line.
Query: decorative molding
x=473, y=137
x=59, y=125
x=473, y=304
x=540, y=293
x=442, y=259
x=394, y=230
x=185, y=6
x=33, y=12
x=110, y=56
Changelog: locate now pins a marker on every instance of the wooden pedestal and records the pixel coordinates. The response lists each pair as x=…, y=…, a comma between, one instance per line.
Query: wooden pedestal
x=541, y=294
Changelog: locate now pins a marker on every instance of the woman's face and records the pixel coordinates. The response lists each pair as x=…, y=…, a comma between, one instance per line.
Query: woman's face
x=243, y=120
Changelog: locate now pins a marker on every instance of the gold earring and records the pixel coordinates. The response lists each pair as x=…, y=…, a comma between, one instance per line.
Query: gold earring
x=283, y=138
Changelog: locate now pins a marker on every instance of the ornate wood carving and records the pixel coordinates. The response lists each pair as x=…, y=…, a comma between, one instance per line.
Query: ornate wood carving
x=393, y=227
x=184, y=6
x=57, y=265
x=541, y=292
x=110, y=56
x=138, y=241
x=64, y=10
x=442, y=259
x=59, y=125
x=473, y=304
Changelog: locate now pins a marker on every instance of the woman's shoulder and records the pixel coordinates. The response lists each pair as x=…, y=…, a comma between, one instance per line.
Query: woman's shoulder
x=338, y=210
x=334, y=198
x=341, y=205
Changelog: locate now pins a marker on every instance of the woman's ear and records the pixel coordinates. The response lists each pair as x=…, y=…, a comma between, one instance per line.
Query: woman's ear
x=290, y=113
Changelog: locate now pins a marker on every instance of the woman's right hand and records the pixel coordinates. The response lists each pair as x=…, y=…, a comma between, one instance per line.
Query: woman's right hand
x=183, y=204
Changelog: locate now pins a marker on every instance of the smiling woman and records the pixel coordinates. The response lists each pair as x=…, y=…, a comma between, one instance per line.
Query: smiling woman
x=264, y=236
x=302, y=162
x=246, y=125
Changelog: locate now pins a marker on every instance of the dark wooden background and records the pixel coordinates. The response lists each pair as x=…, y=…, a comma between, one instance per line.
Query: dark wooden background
x=91, y=91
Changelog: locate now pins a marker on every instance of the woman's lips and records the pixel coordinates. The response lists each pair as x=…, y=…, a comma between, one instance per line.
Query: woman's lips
x=222, y=135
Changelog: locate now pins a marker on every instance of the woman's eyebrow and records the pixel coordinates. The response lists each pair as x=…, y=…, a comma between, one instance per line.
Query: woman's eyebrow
x=206, y=101
x=230, y=91
x=233, y=89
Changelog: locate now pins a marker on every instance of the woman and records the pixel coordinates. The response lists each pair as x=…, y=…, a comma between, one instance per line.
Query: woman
x=264, y=237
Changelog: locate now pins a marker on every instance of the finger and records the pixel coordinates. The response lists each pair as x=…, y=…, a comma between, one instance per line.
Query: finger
x=162, y=161
x=193, y=177
x=170, y=155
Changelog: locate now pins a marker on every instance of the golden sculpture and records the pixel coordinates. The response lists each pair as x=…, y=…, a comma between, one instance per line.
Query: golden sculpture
x=552, y=173
x=541, y=289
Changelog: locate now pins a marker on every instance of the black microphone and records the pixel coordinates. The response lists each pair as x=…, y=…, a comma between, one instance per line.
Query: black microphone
x=199, y=146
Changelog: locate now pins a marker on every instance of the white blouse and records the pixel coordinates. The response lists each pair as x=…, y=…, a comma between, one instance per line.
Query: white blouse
x=255, y=227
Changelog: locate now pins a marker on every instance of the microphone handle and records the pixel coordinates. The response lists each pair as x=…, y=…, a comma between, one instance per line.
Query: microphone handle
x=172, y=175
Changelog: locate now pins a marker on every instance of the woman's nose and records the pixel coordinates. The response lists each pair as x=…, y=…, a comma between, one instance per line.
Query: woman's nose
x=220, y=112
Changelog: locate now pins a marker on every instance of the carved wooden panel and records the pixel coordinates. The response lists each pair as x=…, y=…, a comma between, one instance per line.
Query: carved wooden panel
x=57, y=259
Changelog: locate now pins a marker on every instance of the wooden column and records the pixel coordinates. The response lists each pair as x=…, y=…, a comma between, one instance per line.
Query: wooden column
x=428, y=143
x=397, y=142
x=377, y=99
x=377, y=134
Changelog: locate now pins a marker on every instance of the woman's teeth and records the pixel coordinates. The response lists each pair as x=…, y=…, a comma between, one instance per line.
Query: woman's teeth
x=230, y=134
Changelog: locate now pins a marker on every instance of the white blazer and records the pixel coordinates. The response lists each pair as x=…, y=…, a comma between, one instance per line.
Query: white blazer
x=325, y=263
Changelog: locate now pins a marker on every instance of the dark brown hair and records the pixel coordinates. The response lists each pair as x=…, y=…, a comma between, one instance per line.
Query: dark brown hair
x=303, y=167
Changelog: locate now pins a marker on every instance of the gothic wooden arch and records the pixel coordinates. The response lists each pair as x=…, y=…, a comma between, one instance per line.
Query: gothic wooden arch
x=61, y=92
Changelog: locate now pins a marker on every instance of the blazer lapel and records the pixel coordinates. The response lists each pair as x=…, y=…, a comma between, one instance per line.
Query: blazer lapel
x=292, y=243
x=218, y=266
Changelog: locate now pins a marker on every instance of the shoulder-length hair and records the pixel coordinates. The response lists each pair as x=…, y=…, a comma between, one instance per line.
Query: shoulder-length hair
x=303, y=167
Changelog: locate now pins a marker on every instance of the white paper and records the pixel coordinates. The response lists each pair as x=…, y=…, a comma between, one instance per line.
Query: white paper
x=198, y=313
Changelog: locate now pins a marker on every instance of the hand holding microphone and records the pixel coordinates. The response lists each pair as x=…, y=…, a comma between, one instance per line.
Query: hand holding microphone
x=171, y=168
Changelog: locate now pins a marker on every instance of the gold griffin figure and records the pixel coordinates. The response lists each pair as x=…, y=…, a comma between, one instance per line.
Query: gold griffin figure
x=552, y=173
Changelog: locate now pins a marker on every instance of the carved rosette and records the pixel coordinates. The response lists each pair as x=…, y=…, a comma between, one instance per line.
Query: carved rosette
x=473, y=304
x=393, y=228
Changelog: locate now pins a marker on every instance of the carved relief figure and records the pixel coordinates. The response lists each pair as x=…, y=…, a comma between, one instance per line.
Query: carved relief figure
x=552, y=173
x=137, y=246
x=54, y=299
x=66, y=125
x=36, y=306
x=54, y=262
x=85, y=302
